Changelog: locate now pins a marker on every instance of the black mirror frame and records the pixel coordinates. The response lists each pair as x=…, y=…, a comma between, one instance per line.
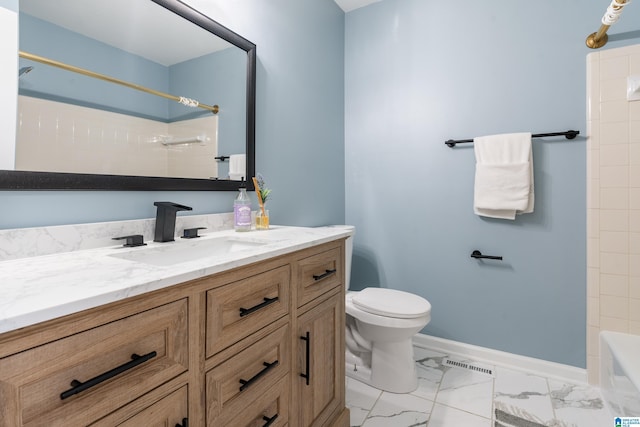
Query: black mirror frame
x=28, y=180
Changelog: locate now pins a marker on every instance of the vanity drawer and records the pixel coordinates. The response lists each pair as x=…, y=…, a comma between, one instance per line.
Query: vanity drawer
x=41, y=385
x=233, y=386
x=271, y=408
x=237, y=310
x=319, y=273
x=170, y=410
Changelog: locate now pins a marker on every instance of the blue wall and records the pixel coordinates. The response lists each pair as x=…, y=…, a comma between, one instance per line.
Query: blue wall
x=422, y=72
x=300, y=123
x=9, y=4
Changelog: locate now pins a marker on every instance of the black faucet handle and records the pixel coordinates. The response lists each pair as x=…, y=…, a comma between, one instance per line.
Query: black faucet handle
x=132, y=241
x=192, y=233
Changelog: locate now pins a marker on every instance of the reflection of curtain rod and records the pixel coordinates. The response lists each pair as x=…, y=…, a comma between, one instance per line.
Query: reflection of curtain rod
x=611, y=16
x=181, y=99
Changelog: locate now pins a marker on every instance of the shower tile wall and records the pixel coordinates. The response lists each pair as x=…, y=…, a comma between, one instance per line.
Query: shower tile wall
x=613, y=199
x=59, y=137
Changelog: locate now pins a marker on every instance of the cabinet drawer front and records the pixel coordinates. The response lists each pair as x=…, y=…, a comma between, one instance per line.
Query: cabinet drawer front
x=235, y=383
x=43, y=381
x=319, y=273
x=271, y=408
x=170, y=410
x=237, y=310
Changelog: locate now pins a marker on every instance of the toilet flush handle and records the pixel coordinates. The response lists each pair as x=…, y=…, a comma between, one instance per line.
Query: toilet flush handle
x=478, y=255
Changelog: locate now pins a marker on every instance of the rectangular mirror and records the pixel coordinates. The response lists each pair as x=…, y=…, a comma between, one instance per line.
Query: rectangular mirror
x=146, y=95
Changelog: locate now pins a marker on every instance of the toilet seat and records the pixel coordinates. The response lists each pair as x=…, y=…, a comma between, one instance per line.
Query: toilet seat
x=391, y=303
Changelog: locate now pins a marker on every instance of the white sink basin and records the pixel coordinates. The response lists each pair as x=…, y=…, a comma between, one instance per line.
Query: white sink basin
x=184, y=251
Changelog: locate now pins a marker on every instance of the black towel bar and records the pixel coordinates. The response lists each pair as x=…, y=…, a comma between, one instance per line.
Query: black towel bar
x=478, y=255
x=570, y=134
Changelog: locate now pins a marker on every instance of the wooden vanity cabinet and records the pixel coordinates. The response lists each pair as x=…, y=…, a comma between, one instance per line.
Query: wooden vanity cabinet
x=257, y=345
x=77, y=379
x=320, y=322
x=320, y=384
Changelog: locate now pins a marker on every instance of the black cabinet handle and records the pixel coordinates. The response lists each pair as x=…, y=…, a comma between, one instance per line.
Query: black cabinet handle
x=269, y=421
x=307, y=374
x=325, y=274
x=78, y=387
x=185, y=423
x=267, y=301
x=256, y=377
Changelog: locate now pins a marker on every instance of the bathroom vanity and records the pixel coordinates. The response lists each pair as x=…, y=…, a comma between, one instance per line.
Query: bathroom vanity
x=250, y=337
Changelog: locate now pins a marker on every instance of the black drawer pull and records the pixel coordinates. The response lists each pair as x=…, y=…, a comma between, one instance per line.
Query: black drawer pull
x=307, y=374
x=269, y=421
x=247, y=311
x=185, y=423
x=78, y=387
x=256, y=377
x=325, y=274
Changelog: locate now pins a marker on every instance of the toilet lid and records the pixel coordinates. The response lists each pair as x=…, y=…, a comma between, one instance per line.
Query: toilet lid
x=391, y=303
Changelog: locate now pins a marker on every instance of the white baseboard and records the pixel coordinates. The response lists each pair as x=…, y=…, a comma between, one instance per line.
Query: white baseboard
x=527, y=364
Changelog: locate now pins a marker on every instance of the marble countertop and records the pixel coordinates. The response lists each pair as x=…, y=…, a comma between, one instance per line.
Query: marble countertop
x=41, y=288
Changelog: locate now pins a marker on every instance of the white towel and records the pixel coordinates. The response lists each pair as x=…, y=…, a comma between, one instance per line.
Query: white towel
x=504, y=175
x=238, y=167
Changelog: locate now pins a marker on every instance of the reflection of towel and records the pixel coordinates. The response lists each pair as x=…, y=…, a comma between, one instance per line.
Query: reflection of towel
x=504, y=175
x=237, y=167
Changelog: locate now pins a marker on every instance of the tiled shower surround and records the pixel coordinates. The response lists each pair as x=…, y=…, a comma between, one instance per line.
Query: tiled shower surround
x=613, y=199
x=57, y=137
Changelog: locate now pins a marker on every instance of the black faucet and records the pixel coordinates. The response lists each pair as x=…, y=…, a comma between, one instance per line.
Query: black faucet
x=166, y=220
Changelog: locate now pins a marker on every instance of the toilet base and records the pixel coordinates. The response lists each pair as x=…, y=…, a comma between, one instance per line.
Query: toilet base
x=392, y=367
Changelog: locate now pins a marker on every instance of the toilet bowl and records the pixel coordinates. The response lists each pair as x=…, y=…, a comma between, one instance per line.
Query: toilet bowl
x=380, y=325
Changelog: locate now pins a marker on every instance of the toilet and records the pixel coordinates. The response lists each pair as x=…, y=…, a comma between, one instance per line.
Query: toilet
x=380, y=326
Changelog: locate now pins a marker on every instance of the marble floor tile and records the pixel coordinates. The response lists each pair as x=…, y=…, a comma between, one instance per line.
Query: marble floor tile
x=443, y=416
x=360, y=399
x=429, y=365
x=579, y=405
x=399, y=410
x=467, y=390
x=522, y=394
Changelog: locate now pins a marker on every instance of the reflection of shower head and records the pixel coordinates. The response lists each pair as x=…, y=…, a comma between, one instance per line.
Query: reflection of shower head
x=24, y=70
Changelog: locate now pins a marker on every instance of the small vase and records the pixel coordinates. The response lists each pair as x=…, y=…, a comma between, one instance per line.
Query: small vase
x=262, y=219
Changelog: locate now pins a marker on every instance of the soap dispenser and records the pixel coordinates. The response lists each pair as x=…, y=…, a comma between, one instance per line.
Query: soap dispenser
x=242, y=209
